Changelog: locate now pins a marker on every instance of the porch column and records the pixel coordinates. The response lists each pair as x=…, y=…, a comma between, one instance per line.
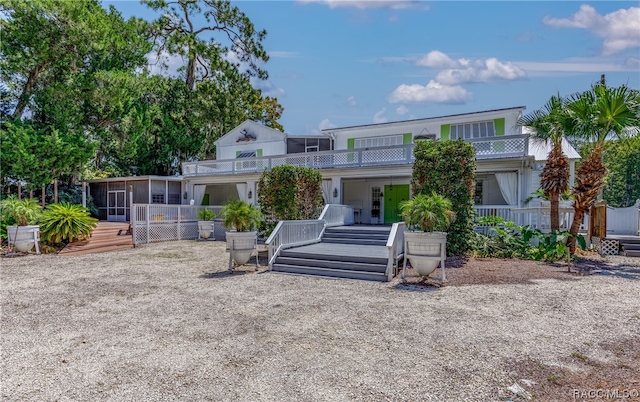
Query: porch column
x=84, y=194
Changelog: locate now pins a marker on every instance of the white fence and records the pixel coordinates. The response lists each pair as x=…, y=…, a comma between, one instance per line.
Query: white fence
x=161, y=222
x=624, y=221
x=289, y=234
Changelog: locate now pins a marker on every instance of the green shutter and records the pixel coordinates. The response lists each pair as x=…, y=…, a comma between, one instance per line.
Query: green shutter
x=499, y=126
x=237, y=153
x=407, y=138
x=260, y=164
x=351, y=143
x=445, y=130
x=259, y=153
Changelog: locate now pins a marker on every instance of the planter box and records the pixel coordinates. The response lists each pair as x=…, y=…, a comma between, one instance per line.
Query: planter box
x=425, y=250
x=241, y=246
x=24, y=238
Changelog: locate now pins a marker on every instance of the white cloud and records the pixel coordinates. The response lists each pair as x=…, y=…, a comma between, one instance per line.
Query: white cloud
x=620, y=29
x=267, y=88
x=380, y=117
x=433, y=92
x=391, y=4
x=164, y=64
x=325, y=124
x=632, y=62
x=480, y=70
x=402, y=110
x=351, y=101
x=436, y=58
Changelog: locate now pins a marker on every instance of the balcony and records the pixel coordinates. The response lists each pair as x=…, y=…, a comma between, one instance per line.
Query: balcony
x=486, y=148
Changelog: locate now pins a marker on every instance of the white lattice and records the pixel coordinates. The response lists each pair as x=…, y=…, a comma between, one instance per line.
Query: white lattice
x=610, y=247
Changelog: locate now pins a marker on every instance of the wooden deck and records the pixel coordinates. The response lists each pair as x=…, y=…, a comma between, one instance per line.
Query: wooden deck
x=342, y=251
x=105, y=237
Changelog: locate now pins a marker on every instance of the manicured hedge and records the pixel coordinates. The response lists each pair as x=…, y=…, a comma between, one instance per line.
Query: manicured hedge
x=448, y=168
x=290, y=192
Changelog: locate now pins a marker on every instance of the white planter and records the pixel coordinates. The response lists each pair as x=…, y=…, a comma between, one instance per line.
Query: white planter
x=241, y=245
x=23, y=238
x=205, y=228
x=425, y=250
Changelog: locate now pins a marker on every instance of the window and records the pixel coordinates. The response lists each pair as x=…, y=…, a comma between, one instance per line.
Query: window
x=250, y=154
x=376, y=142
x=469, y=131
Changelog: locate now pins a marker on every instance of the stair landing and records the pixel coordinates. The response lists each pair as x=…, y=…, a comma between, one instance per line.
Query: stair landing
x=104, y=238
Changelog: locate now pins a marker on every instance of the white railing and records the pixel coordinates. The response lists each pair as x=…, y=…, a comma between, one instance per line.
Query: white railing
x=289, y=234
x=486, y=148
x=337, y=215
x=500, y=147
x=395, y=247
x=162, y=222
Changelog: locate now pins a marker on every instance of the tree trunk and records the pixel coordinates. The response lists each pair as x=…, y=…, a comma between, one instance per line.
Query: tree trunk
x=554, y=211
x=589, y=181
x=191, y=73
x=26, y=91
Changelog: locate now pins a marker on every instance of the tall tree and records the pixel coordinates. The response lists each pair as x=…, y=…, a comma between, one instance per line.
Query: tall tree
x=50, y=55
x=598, y=114
x=551, y=124
x=234, y=42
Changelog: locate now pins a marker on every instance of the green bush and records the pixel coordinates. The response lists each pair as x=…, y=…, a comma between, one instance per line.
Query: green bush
x=289, y=193
x=18, y=212
x=65, y=222
x=508, y=240
x=448, y=169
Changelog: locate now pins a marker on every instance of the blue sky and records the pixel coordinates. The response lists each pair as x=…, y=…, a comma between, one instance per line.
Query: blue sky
x=340, y=63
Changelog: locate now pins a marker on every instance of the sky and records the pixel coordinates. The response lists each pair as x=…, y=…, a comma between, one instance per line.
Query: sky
x=336, y=63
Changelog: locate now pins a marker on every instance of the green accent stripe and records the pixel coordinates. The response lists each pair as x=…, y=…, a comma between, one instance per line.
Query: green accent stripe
x=351, y=143
x=499, y=125
x=407, y=138
x=445, y=130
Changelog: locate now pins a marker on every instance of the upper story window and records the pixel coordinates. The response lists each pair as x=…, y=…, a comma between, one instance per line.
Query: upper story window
x=250, y=154
x=299, y=145
x=375, y=142
x=469, y=131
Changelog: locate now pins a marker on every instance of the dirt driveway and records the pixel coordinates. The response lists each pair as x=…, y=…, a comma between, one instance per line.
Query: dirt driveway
x=166, y=322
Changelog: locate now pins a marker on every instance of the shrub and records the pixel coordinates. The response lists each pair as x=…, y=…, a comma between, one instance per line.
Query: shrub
x=206, y=215
x=289, y=193
x=65, y=222
x=241, y=216
x=448, y=169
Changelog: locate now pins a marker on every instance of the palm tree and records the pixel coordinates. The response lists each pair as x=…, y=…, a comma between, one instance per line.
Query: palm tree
x=551, y=124
x=598, y=114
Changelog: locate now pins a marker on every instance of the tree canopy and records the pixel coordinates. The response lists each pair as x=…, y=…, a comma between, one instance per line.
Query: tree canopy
x=76, y=78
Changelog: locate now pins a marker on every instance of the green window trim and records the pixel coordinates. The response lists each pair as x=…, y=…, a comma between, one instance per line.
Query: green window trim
x=445, y=130
x=498, y=124
x=351, y=143
x=407, y=138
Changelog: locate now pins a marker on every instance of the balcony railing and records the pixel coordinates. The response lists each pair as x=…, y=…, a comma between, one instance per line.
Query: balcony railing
x=486, y=148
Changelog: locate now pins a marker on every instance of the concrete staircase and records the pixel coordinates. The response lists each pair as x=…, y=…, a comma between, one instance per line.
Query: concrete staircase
x=354, y=252
x=630, y=246
x=107, y=236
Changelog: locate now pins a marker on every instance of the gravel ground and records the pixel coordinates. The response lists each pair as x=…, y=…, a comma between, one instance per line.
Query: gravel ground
x=166, y=322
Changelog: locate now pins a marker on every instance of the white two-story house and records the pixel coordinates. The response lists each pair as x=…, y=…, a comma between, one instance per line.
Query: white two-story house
x=370, y=166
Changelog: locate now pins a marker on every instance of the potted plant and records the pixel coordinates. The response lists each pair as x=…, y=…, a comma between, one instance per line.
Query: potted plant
x=427, y=217
x=243, y=218
x=205, y=223
x=21, y=216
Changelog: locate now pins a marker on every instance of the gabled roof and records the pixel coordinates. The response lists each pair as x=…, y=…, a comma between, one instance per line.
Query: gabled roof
x=249, y=131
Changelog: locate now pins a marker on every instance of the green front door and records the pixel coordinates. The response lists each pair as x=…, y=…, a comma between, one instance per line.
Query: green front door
x=393, y=196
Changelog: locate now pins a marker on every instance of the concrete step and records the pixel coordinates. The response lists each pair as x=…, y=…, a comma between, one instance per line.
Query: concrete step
x=351, y=235
x=328, y=272
x=360, y=242
x=632, y=253
x=333, y=264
